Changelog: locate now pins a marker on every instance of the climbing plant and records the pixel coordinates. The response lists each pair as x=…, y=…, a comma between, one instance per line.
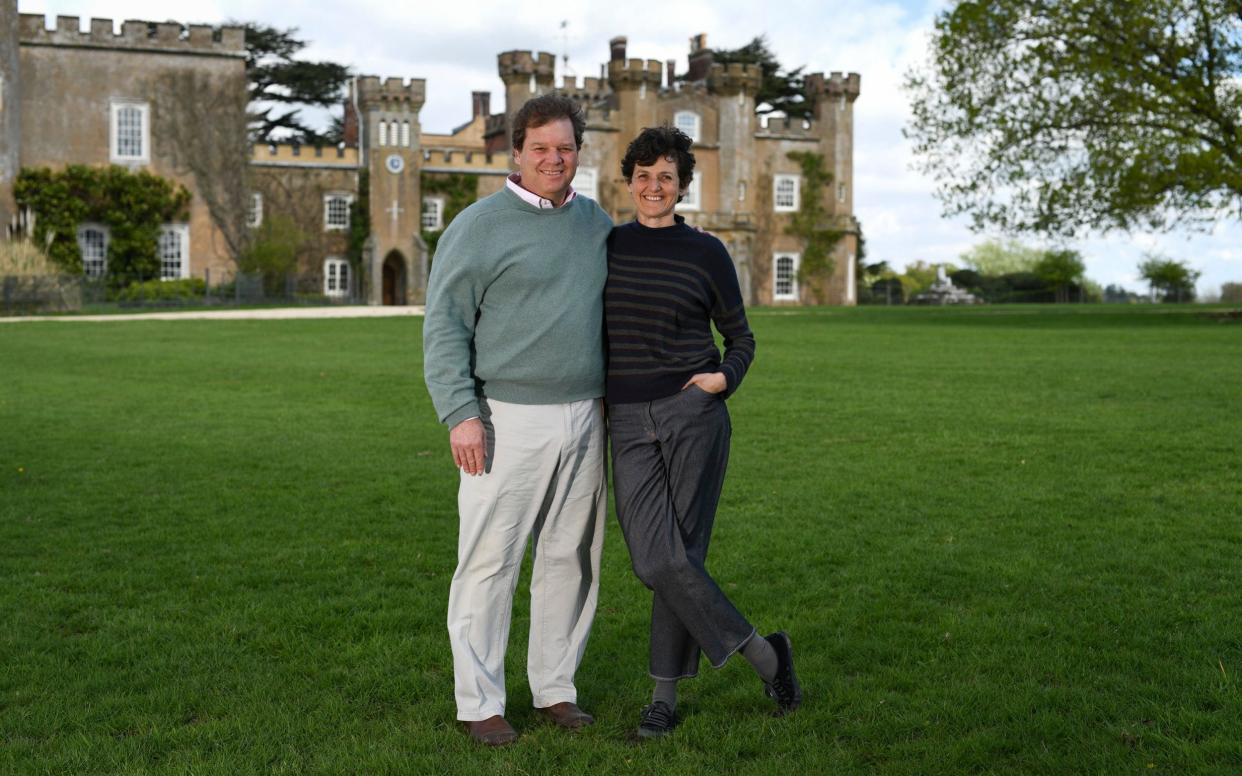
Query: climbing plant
x=133, y=205
x=810, y=224
x=360, y=221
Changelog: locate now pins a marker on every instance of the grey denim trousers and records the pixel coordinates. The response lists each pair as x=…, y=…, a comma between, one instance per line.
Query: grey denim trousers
x=668, y=461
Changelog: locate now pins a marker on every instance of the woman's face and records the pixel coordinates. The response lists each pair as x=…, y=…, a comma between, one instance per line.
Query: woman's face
x=655, y=190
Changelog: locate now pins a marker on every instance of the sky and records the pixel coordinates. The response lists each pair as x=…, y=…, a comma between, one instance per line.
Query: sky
x=453, y=46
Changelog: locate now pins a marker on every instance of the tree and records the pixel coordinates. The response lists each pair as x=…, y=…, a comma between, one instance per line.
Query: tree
x=780, y=90
x=1231, y=293
x=1059, y=117
x=280, y=86
x=1174, y=281
x=996, y=257
x=1061, y=269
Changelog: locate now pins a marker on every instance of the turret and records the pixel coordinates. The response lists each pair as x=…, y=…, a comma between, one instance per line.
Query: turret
x=525, y=75
x=392, y=153
x=734, y=78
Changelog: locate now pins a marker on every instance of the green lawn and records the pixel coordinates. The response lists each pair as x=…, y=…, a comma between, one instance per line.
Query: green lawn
x=1003, y=539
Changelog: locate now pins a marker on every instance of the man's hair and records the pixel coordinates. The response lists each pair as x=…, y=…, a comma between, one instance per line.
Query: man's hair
x=657, y=142
x=544, y=110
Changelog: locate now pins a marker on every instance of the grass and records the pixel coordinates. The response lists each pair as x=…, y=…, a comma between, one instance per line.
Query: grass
x=1004, y=540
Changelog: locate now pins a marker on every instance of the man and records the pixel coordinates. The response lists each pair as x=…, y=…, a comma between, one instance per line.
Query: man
x=514, y=362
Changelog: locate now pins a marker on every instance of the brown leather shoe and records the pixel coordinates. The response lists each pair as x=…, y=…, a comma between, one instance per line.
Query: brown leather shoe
x=567, y=715
x=493, y=731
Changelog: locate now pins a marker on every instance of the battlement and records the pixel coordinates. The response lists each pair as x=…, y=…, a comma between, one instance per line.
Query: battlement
x=630, y=73
x=734, y=77
x=835, y=85
x=298, y=155
x=521, y=65
x=589, y=89
x=135, y=34
x=458, y=160
x=391, y=93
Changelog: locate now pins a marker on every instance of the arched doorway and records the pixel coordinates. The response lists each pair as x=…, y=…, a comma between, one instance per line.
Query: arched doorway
x=394, y=278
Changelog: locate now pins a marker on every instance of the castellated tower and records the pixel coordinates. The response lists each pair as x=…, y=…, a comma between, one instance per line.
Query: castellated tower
x=396, y=261
x=525, y=75
x=636, y=84
x=10, y=111
x=834, y=98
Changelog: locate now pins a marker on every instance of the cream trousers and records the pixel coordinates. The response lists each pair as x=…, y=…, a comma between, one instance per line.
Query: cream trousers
x=545, y=481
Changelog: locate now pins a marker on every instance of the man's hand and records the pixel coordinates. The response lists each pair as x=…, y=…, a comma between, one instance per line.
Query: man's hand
x=469, y=444
x=712, y=382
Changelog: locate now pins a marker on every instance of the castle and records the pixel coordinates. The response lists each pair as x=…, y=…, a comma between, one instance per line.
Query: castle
x=69, y=95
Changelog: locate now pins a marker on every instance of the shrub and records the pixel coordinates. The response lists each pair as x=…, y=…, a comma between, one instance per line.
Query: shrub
x=162, y=290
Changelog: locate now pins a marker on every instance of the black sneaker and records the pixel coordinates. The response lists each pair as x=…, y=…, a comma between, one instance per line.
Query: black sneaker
x=658, y=720
x=784, y=688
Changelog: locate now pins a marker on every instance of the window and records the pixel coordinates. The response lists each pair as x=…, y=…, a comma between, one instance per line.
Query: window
x=255, y=216
x=93, y=243
x=785, y=193
x=586, y=182
x=335, y=277
x=688, y=122
x=383, y=133
x=691, y=199
x=741, y=191
x=336, y=211
x=130, y=132
x=433, y=214
x=174, y=251
x=785, y=277
x=840, y=192
x=405, y=134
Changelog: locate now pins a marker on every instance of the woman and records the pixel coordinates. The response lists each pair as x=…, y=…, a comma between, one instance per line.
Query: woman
x=667, y=382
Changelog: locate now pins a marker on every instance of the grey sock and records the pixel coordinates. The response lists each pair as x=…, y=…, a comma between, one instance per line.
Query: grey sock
x=761, y=655
x=665, y=691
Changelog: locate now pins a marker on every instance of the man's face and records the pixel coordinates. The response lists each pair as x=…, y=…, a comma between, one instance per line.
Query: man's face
x=548, y=159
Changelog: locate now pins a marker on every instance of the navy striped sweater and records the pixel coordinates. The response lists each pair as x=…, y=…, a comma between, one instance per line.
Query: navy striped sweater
x=665, y=288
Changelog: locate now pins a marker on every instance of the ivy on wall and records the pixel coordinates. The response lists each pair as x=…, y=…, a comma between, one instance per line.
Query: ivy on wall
x=459, y=191
x=132, y=205
x=359, y=221
x=808, y=223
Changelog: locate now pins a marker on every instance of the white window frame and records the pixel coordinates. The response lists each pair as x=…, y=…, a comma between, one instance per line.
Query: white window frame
x=693, y=199
x=114, y=139
x=182, y=231
x=254, y=217
x=433, y=207
x=789, y=206
x=586, y=182
x=103, y=261
x=790, y=294
x=405, y=134
x=328, y=225
x=693, y=126
x=337, y=277
x=383, y=133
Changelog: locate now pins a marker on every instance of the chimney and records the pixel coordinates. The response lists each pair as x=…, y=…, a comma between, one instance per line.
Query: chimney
x=617, y=45
x=700, y=58
x=480, y=104
x=670, y=67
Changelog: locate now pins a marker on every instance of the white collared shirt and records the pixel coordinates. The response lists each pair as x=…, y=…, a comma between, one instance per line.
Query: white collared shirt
x=514, y=183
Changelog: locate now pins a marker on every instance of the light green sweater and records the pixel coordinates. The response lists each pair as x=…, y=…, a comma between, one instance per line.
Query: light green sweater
x=515, y=306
